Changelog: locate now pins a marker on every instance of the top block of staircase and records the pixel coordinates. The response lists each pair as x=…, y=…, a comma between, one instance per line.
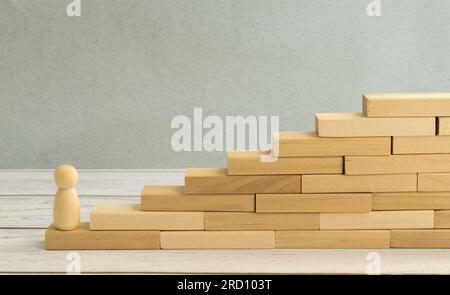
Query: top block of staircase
x=406, y=104
x=358, y=125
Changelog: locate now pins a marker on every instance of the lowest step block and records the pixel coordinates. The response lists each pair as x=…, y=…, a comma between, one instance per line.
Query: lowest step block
x=85, y=239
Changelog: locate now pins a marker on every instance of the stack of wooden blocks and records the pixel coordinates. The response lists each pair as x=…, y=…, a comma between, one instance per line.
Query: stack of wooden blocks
x=377, y=179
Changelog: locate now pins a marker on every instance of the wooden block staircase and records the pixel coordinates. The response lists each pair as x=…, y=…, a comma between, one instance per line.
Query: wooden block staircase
x=376, y=179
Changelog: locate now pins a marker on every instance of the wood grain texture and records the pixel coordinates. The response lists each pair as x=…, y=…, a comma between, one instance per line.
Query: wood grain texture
x=173, y=198
x=216, y=181
x=378, y=220
x=130, y=217
x=411, y=201
x=333, y=239
x=430, y=238
x=357, y=125
x=255, y=221
x=421, y=144
x=433, y=182
x=85, y=239
x=406, y=104
x=397, y=164
x=298, y=203
x=359, y=183
x=442, y=219
x=444, y=125
x=250, y=163
x=218, y=240
x=309, y=144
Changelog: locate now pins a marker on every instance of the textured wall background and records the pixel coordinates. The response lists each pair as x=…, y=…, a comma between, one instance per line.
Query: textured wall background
x=100, y=90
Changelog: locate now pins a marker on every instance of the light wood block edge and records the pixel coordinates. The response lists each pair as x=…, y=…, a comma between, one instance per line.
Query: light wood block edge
x=218, y=240
x=85, y=239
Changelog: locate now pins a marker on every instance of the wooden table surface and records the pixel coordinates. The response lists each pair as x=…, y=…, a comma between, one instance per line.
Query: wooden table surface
x=26, y=198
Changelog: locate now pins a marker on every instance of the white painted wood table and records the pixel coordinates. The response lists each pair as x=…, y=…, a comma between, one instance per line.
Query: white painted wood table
x=26, y=198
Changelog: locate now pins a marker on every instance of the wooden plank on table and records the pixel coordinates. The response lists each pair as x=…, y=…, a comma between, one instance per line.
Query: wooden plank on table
x=333, y=239
x=173, y=198
x=406, y=104
x=421, y=144
x=430, y=238
x=298, y=203
x=443, y=125
x=309, y=144
x=378, y=220
x=357, y=125
x=130, y=217
x=251, y=163
x=218, y=240
x=411, y=201
x=433, y=182
x=442, y=219
x=85, y=239
x=254, y=221
x=358, y=183
x=216, y=181
x=397, y=164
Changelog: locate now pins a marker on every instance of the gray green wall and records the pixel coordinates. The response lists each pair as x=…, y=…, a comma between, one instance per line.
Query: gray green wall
x=100, y=90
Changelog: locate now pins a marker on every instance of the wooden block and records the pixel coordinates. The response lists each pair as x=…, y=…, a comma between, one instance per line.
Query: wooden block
x=291, y=203
x=411, y=201
x=250, y=163
x=85, y=239
x=397, y=164
x=434, y=182
x=442, y=219
x=359, y=183
x=172, y=198
x=218, y=240
x=254, y=221
x=421, y=145
x=130, y=217
x=308, y=144
x=431, y=238
x=378, y=220
x=357, y=125
x=333, y=239
x=443, y=125
x=216, y=181
x=406, y=104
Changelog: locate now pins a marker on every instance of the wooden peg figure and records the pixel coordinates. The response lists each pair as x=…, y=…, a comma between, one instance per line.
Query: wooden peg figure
x=66, y=207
